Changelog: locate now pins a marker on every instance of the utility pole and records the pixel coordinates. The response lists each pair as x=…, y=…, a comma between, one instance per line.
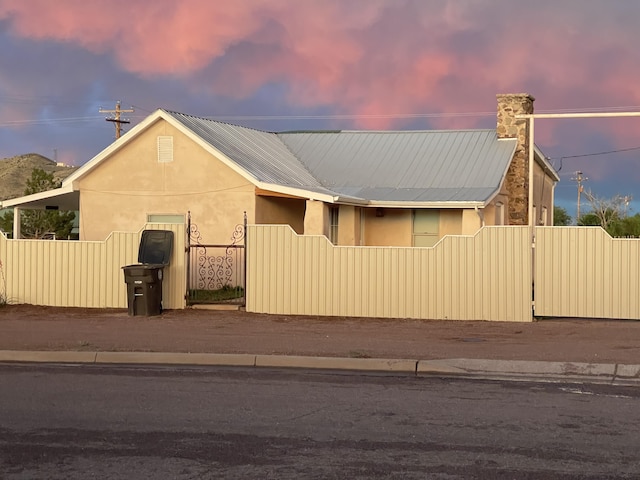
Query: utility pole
x=579, y=179
x=117, y=121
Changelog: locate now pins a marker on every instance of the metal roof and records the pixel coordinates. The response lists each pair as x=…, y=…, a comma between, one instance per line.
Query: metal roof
x=425, y=166
x=382, y=166
x=261, y=154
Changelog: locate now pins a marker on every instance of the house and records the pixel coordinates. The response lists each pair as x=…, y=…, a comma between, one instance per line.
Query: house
x=395, y=188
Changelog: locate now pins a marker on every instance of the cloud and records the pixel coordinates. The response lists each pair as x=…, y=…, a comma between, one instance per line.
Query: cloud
x=362, y=57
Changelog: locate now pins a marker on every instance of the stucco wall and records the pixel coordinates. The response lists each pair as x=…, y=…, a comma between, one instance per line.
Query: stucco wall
x=392, y=229
x=349, y=225
x=395, y=227
x=450, y=222
x=316, y=218
x=279, y=211
x=118, y=194
x=543, y=187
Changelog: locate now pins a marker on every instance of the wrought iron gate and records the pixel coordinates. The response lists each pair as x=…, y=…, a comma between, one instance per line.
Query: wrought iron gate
x=216, y=274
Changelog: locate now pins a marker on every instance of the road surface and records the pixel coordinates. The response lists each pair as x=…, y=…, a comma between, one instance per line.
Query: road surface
x=79, y=422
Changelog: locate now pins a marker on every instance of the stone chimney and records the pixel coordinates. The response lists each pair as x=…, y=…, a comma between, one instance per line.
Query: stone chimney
x=517, y=181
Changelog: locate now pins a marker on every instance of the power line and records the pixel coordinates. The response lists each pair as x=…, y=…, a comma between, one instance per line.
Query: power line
x=10, y=123
x=116, y=119
x=598, y=153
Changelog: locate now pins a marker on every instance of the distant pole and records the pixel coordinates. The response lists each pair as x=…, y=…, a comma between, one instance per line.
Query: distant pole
x=579, y=179
x=117, y=121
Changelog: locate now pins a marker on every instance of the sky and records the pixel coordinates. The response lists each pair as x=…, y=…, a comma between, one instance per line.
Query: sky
x=281, y=65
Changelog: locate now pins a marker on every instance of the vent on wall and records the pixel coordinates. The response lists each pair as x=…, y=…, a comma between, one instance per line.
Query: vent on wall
x=165, y=149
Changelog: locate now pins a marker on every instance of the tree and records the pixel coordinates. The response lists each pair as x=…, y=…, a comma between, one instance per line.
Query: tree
x=41, y=223
x=626, y=227
x=606, y=210
x=561, y=217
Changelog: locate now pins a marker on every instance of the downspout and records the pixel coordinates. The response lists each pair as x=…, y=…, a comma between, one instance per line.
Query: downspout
x=480, y=214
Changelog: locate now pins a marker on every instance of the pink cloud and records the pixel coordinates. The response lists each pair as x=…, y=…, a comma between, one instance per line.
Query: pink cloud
x=365, y=57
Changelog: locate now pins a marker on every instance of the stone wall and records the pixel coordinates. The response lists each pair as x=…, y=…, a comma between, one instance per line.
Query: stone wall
x=517, y=181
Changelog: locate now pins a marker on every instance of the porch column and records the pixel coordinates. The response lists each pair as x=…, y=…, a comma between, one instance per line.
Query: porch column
x=316, y=218
x=349, y=225
x=16, y=222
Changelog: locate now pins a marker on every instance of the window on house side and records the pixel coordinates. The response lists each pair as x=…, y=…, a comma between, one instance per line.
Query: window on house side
x=333, y=224
x=165, y=149
x=426, y=226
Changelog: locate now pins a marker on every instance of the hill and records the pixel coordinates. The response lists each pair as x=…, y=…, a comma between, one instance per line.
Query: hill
x=15, y=171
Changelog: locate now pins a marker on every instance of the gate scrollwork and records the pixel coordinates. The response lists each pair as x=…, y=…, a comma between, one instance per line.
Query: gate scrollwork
x=216, y=271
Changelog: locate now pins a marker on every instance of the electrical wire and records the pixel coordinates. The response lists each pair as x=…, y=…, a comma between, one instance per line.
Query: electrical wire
x=598, y=153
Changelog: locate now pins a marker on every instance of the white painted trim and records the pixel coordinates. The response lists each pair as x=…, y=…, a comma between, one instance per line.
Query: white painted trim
x=34, y=197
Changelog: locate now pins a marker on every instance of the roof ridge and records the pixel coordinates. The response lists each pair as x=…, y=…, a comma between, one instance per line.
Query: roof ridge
x=212, y=119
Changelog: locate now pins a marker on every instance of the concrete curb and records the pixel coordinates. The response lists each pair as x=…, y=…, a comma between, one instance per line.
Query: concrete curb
x=337, y=363
x=47, y=357
x=598, y=372
x=161, y=358
x=477, y=368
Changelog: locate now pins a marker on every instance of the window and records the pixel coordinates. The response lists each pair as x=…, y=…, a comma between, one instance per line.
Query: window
x=426, y=225
x=165, y=149
x=165, y=218
x=333, y=224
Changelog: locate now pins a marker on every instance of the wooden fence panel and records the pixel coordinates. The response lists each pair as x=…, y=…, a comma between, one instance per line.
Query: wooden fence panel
x=481, y=277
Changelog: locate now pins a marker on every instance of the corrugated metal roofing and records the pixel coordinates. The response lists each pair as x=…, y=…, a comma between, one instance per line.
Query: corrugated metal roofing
x=402, y=166
x=425, y=166
x=261, y=154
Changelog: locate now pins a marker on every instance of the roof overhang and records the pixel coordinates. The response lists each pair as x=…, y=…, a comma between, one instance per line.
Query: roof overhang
x=63, y=198
x=438, y=205
x=544, y=163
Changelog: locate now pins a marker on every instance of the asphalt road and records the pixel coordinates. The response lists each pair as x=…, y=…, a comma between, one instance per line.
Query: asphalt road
x=70, y=422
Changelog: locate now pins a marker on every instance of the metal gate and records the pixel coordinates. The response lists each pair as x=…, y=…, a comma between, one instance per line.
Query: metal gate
x=216, y=274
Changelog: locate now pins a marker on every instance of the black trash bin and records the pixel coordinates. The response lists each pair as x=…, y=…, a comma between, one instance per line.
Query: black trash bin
x=144, y=280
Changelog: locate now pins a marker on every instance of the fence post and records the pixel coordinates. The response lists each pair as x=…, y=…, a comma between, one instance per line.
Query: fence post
x=244, y=262
x=188, y=254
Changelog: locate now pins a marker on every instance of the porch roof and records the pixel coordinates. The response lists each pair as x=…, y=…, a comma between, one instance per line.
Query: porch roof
x=64, y=198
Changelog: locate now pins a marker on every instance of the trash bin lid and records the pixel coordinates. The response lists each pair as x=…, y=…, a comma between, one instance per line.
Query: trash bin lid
x=155, y=247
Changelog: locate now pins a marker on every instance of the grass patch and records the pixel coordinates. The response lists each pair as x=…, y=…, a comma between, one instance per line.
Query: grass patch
x=224, y=294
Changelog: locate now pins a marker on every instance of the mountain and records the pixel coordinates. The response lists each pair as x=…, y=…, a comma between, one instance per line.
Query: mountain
x=15, y=171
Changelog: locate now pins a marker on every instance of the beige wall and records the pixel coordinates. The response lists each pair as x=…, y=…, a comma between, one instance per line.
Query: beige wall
x=121, y=191
x=316, y=218
x=496, y=212
x=543, y=186
x=392, y=229
x=450, y=222
x=349, y=225
x=281, y=211
x=471, y=221
x=395, y=228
